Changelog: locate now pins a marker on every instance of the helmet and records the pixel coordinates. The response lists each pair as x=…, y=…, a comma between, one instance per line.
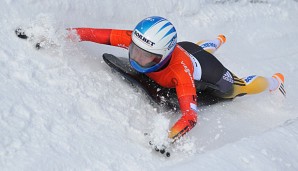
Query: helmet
x=153, y=41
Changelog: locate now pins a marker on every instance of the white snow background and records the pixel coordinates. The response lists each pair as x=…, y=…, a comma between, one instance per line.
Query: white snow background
x=61, y=108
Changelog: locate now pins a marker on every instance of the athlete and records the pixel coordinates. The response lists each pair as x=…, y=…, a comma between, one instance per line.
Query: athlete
x=153, y=50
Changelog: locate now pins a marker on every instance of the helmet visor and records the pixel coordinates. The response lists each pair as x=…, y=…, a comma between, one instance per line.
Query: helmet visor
x=144, y=58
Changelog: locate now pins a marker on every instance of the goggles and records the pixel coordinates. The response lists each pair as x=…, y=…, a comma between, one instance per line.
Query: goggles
x=142, y=57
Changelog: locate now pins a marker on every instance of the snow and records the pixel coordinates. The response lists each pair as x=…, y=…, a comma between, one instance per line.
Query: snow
x=61, y=108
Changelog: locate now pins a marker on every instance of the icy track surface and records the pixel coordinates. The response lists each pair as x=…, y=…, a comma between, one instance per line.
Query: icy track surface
x=61, y=108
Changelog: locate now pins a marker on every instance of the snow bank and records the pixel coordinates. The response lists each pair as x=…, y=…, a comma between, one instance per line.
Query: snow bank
x=63, y=109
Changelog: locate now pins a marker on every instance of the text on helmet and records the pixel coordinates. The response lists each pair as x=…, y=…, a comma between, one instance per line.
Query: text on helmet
x=141, y=37
x=172, y=42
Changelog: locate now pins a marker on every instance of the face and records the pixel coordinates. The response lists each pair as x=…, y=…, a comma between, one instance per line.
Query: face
x=143, y=58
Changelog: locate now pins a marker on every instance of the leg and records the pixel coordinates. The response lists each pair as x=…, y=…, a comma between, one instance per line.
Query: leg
x=248, y=85
x=256, y=84
x=220, y=82
x=212, y=45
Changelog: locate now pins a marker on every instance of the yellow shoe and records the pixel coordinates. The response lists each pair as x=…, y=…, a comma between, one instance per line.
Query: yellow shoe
x=280, y=78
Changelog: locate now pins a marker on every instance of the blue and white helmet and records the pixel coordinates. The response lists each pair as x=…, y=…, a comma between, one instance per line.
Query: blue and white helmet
x=153, y=41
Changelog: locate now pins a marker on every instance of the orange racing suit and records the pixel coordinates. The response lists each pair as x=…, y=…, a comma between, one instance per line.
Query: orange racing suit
x=180, y=73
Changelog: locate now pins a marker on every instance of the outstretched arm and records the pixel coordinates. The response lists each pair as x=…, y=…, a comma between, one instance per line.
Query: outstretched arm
x=120, y=38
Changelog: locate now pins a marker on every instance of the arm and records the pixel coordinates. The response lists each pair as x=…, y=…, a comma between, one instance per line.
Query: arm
x=187, y=98
x=120, y=38
x=178, y=74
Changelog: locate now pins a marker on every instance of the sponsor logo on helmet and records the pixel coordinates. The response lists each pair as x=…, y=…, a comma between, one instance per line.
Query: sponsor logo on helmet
x=172, y=42
x=149, y=19
x=141, y=37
